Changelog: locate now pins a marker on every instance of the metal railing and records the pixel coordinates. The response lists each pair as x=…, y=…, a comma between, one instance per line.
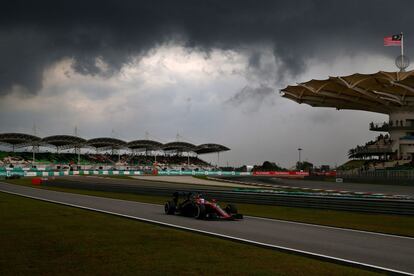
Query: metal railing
x=387, y=126
x=372, y=149
x=384, y=174
x=391, y=177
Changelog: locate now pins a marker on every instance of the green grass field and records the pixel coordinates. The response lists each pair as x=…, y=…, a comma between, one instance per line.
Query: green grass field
x=391, y=224
x=40, y=238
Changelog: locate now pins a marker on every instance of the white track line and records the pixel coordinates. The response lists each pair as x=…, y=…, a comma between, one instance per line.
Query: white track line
x=333, y=227
x=217, y=234
x=308, y=224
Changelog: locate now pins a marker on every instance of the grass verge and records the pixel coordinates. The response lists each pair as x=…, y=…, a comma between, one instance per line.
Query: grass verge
x=124, y=196
x=44, y=238
x=382, y=223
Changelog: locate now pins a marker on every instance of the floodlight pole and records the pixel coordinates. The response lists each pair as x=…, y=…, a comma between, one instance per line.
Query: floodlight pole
x=299, y=150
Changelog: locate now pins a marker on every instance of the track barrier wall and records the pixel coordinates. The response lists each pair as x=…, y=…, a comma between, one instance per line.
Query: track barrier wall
x=7, y=172
x=201, y=173
x=41, y=173
x=32, y=173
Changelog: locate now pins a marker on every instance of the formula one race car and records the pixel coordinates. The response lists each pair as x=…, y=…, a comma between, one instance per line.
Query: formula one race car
x=196, y=205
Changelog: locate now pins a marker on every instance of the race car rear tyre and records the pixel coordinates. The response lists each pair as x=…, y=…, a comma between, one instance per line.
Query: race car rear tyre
x=169, y=208
x=231, y=209
x=200, y=212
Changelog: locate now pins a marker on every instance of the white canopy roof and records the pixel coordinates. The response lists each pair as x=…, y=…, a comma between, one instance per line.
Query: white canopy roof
x=382, y=92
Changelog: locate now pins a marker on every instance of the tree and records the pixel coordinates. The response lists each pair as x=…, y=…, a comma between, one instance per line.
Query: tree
x=304, y=166
x=268, y=166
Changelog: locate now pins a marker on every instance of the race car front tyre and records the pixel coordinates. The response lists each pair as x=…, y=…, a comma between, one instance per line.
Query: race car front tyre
x=231, y=209
x=200, y=212
x=212, y=216
x=169, y=208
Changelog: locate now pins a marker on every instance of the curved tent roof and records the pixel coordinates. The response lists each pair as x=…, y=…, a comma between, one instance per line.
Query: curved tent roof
x=382, y=92
x=144, y=144
x=68, y=141
x=106, y=142
x=179, y=146
x=18, y=139
x=64, y=141
x=210, y=148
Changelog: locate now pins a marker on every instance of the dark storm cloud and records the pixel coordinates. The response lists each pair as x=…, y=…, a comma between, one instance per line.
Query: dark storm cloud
x=253, y=96
x=34, y=34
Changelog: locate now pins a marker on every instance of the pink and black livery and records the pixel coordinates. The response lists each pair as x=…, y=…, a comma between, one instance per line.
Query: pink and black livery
x=196, y=205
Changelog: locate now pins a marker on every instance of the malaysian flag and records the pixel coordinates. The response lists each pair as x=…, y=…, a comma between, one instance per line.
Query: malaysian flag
x=394, y=40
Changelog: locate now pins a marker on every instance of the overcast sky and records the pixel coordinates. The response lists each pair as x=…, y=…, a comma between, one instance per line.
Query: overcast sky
x=208, y=70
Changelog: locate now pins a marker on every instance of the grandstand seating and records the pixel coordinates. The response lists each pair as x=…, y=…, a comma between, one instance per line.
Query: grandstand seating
x=380, y=146
x=178, y=162
x=376, y=155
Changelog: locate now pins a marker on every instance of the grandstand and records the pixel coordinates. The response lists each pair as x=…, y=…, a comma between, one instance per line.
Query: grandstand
x=390, y=93
x=380, y=148
x=101, y=153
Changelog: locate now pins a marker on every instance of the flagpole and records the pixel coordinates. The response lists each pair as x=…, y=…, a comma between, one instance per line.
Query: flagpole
x=402, y=49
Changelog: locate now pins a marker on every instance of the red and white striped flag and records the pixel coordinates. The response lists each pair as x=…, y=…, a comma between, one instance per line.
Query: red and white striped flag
x=394, y=40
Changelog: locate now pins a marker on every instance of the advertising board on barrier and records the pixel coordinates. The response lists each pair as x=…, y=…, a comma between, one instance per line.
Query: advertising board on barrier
x=12, y=173
x=8, y=173
x=282, y=174
x=328, y=174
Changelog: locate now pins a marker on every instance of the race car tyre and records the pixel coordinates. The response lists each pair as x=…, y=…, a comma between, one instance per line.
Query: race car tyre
x=169, y=208
x=231, y=209
x=212, y=216
x=200, y=212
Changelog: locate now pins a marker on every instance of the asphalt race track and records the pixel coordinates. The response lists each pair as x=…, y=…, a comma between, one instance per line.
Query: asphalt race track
x=353, y=187
x=389, y=252
x=228, y=194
